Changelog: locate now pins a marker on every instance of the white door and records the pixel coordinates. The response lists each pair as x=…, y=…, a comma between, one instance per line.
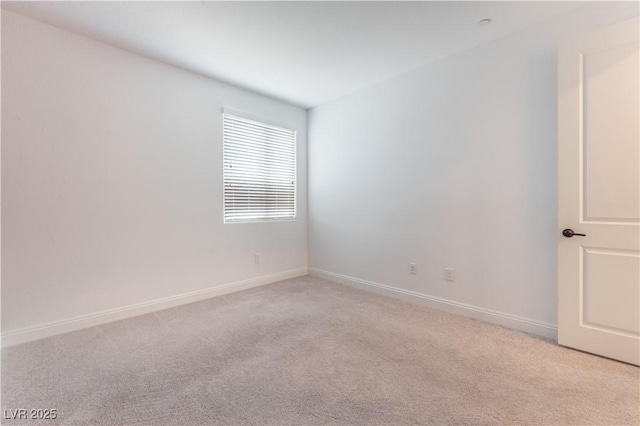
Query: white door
x=599, y=193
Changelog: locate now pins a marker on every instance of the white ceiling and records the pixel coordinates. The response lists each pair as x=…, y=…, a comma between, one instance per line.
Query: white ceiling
x=305, y=53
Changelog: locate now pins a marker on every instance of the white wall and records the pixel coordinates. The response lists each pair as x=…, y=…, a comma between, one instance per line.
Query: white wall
x=452, y=165
x=112, y=180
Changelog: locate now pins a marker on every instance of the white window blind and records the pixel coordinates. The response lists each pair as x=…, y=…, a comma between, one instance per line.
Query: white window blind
x=259, y=171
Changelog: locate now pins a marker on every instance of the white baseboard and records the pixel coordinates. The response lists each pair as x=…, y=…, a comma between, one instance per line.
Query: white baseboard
x=58, y=327
x=476, y=312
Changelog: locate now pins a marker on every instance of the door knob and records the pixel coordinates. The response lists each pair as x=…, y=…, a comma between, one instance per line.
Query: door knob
x=569, y=233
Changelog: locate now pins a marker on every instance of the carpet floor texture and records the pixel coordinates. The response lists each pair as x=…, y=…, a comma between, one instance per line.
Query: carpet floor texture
x=310, y=352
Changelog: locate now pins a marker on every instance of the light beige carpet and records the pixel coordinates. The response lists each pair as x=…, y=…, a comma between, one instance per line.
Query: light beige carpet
x=307, y=352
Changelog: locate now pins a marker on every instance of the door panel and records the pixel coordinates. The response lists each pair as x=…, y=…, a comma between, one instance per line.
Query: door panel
x=607, y=304
x=599, y=192
x=610, y=139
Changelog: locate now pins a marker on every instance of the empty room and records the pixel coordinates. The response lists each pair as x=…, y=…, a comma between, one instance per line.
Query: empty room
x=305, y=213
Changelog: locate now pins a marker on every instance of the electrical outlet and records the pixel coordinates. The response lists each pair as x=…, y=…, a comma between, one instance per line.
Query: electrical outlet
x=449, y=274
x=413, y=269
x=256, y=257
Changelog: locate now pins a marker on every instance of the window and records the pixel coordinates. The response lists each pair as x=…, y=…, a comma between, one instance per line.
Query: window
x=259, y=163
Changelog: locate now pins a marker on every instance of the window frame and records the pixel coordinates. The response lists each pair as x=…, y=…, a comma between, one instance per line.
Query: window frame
x=294, y=165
